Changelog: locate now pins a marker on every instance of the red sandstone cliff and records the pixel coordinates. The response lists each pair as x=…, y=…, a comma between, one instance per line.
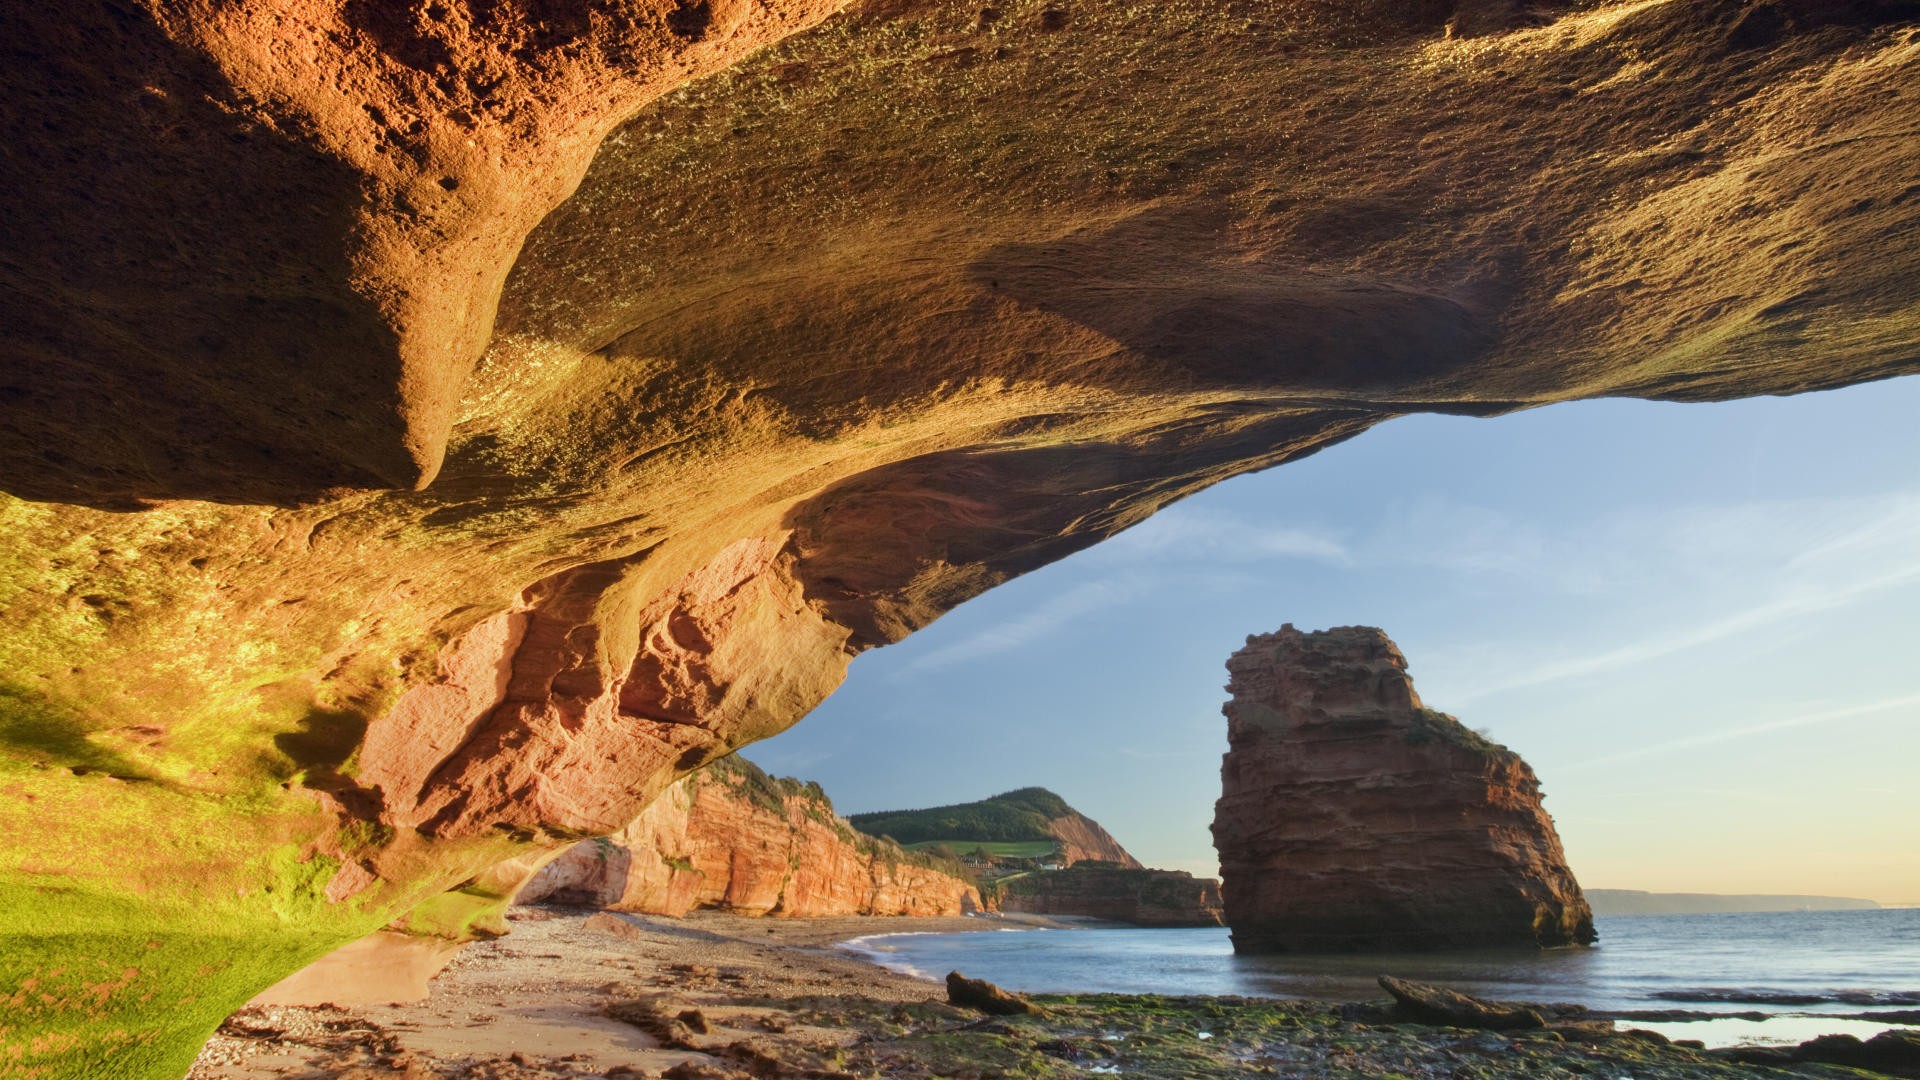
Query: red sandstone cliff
x=1083, y=840
x=732, y=838
x=1352, y=817
x=1121, y=894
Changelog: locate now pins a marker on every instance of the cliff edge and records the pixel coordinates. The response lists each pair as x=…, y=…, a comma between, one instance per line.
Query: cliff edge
x=1352, y=817
x=735, y=839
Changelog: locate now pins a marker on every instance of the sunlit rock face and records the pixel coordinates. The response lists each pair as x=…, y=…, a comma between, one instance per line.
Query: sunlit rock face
x=1352, y=817
x=435, y=430
x=1083, y=839
x=730, y=838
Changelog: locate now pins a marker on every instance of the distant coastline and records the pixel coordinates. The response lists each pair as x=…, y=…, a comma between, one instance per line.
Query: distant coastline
x=1638, y=902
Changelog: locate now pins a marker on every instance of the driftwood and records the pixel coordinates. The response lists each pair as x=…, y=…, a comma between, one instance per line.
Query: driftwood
x=1439, y=1005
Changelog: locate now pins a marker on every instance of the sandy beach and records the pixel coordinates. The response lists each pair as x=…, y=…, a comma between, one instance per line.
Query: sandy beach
x=536, y=1003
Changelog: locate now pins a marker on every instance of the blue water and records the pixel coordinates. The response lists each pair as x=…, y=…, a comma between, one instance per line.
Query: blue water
x=1799, y=968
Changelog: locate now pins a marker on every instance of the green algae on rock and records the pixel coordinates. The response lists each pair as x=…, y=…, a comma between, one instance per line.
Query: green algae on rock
x=1177, y=1038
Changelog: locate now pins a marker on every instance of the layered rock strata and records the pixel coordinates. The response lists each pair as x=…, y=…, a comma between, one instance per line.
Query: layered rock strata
x=1352, y=817
x=733, y=839
x=429, y=431
x=1115, y=893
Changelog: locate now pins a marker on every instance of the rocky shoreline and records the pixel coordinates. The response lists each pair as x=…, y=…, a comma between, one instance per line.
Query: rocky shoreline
x=711, y=997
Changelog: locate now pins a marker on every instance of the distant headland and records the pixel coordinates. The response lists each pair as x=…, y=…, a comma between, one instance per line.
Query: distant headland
x=1638, y=902
x=1030, y=852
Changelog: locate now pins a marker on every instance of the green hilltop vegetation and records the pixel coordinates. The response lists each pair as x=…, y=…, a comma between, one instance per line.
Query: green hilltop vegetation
x=1011, y=818
x=1432, y=725
x=762, y=789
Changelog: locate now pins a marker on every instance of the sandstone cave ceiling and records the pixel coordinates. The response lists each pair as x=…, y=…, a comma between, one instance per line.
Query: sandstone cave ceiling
x=433, y=428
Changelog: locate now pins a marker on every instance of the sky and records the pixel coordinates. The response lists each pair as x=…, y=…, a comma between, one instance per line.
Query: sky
x=1697, y=622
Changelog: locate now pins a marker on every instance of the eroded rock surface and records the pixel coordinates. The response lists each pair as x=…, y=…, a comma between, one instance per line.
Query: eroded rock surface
x=282, y=230
x=1084, y=840
x=1353, y=817
x=313, y=622
x=733, y=839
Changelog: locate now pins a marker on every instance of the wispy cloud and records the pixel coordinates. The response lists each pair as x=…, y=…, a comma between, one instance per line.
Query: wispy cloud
x=1724, y=735
x=1706, y=574
x=1463, y=538
x=1750, y=620
x=1893, y=529
x=1808, y=556
x=1772, y=539
x=1430, y=531
x=1048, y=619
x=1192, y=534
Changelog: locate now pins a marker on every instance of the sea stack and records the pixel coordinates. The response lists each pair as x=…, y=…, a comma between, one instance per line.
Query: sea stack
x=1352, y=817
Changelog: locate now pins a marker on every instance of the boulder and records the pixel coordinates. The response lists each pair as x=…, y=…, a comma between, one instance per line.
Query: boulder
x=1895, y=1052
x=982, y=995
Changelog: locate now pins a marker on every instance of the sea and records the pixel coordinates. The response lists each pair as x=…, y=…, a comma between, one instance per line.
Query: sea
x=1776, y=978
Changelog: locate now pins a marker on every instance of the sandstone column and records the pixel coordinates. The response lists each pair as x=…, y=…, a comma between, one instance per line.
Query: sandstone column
x=1352, y=817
